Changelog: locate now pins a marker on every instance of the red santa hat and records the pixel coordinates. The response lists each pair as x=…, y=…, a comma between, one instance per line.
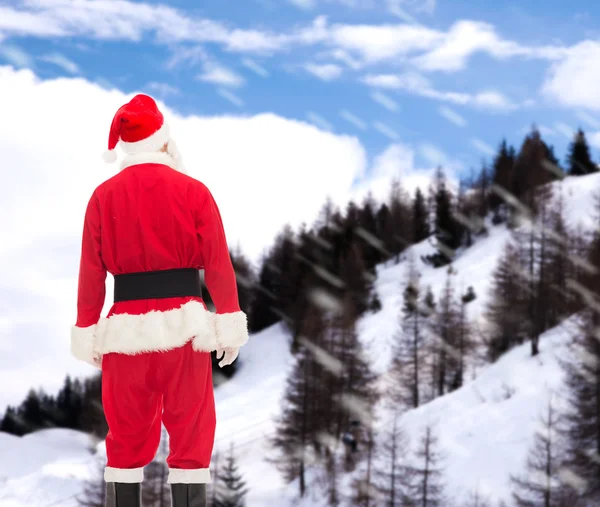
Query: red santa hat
x=139, y=127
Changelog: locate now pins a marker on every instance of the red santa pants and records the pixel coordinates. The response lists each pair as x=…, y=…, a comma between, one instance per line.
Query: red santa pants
x=141, y=391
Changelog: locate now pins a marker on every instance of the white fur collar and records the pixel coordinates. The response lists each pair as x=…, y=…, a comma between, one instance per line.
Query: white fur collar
x=155, y=157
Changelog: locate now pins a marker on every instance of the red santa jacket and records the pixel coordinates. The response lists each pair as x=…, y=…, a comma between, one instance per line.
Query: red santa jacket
x=151, y=217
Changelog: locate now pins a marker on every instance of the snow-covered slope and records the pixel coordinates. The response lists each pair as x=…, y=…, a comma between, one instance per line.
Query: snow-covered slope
x=488, y=424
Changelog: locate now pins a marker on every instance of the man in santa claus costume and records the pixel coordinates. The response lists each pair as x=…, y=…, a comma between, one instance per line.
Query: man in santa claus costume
x=153, y=228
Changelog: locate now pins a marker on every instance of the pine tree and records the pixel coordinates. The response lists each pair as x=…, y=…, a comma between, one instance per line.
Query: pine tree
x=92, y=412
x=373, y=247
x=364, y=491
x=245, y=278
x=232, y=490
x=420, y=218
x=393, y=474
x=407, y=351
x=464, y=343
x=426, y=489
x=583, y=382
x=506, y=309
x=31, y=411
x=94, y=489
x=541, y=486
x=352, y=388
x=398, y=233
x=448, y=233
x=446, y=335
x=12, y=423
x=560, y=269
x=579, y=161
x=301, y=418
x=477, y=499
x=502, y=181
x=429, y=314
x=533, y=170
x=275, y=291
x=69, y=402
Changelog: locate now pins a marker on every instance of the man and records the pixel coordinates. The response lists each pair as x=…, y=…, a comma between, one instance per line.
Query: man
x=153, y=228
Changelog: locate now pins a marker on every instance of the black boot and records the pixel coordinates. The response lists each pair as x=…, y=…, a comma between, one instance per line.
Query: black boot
x=122, y=494
x=188, y=495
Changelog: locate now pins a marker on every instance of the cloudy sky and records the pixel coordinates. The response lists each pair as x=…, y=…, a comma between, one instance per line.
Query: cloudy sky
x=275, y=104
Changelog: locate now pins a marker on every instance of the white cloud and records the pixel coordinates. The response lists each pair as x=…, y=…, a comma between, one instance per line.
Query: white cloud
x=544, y=130
x=385, y=101
x=352, y=118
x=573, y=81
x=319, y=121
x=16, y=56
x=189, y=56
x=452, y=116
x=127, y=20
x=219, y=74
x=435, y=157
x=397, y=161
x=255, y=67
x=419, y=6
x=431, y=49
x=375, y=43
x=61, y=61
x=564, y=129
x=451, y=52
x=231, y=97
x=594, y=139
x=386, y=130
x=304, y=4
x=590, y=120
x=49, y=178
x=163, y=89
x=483, y=147
x=326, y=72
x=417, y=84
x=343, y=56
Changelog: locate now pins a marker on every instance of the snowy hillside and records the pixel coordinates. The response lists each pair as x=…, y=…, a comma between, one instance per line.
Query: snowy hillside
x=489, y=422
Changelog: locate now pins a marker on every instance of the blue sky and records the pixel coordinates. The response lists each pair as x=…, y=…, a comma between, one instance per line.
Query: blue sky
x=448, y=77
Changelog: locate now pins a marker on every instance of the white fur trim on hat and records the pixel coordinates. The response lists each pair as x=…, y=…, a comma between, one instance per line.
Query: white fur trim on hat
x=153, y=143
x=231, y=329
x=194, y=476
x=156, y=330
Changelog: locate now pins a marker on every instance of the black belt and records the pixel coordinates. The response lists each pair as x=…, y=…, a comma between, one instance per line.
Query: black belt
x=168, y=283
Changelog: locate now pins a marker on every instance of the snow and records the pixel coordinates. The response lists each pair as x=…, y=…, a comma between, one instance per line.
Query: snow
x=488, y=424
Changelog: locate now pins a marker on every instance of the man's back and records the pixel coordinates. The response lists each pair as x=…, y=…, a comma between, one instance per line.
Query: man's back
x=148, y=219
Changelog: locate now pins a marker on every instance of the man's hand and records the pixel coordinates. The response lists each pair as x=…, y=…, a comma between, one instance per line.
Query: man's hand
x=229, y=355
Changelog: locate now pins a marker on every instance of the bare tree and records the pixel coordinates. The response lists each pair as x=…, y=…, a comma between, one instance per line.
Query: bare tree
x=541, y=485
x=407, y=351
x=94, y=489
x=426, y=489
x=393, y=473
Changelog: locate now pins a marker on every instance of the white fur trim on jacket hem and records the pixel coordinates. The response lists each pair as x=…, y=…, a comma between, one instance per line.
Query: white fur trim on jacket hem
x=130, y=475
x=155, y=330
x=157, y=157
x=196, y=476
x=152, y=143
x=83, y=345
x=232, y=329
